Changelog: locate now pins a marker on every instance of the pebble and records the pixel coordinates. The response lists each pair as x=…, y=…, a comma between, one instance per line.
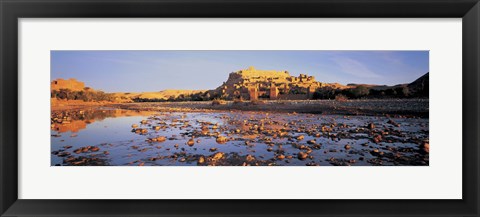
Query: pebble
x=161, y=139
x=250, y=158
x=425, y=147
x=218, y=156
x=221, y=139
x=201, y=160
x=191, y=142
x=371, y=126
x=302, y=155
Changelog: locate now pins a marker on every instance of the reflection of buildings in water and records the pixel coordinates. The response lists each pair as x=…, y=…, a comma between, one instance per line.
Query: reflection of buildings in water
x=74, y=126
x=84, y=117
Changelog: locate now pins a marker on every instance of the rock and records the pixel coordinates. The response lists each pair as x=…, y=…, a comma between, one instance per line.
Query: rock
x=218, y=156
x=281, y=157
x=156, y=128
x=312, y=142
x=371, y=126
x=94, y=149
x=302, y=155
x=161, y=139
x=191, y=142
x=347, y=146
x=70, y=159
x=134, y=125
x=392, y=122
x=377, y=138
x=213, y=149
x=425, y=147
x=63, y=154
x=300, y=137
x=250, y=158
x=201, y=160
x=221, y=139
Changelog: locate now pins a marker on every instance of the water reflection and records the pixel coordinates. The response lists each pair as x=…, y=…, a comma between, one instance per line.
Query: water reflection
x=76, y=120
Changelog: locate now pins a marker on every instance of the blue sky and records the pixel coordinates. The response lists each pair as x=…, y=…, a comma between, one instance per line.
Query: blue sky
x=139, y=71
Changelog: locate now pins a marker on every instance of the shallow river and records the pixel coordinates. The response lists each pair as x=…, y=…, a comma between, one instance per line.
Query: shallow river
x=132, y=138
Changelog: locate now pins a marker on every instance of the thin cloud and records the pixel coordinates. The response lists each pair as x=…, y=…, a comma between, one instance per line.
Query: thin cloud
x=354, y=67
x=119, y=61
x=391, y=57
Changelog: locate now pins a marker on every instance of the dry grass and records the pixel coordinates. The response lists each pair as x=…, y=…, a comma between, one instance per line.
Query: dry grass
x=219, y=102
x=237, y=101
x=341, y=98
x=257, y=102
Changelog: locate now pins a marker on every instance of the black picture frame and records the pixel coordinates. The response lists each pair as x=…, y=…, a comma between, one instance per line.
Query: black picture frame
x=12, y=10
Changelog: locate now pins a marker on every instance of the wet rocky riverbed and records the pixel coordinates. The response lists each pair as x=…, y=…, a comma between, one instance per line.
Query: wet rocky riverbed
x=118, y=137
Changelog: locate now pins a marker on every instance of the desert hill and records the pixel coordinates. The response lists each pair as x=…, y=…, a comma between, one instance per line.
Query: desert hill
x=417, y=86
x=421, y=85
x=161, y=95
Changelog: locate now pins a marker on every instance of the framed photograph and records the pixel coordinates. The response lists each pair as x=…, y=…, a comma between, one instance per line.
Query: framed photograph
x=251, y=108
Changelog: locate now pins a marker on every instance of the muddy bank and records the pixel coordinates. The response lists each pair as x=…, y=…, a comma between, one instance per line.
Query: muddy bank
x=58, y=105
x=414, y=107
